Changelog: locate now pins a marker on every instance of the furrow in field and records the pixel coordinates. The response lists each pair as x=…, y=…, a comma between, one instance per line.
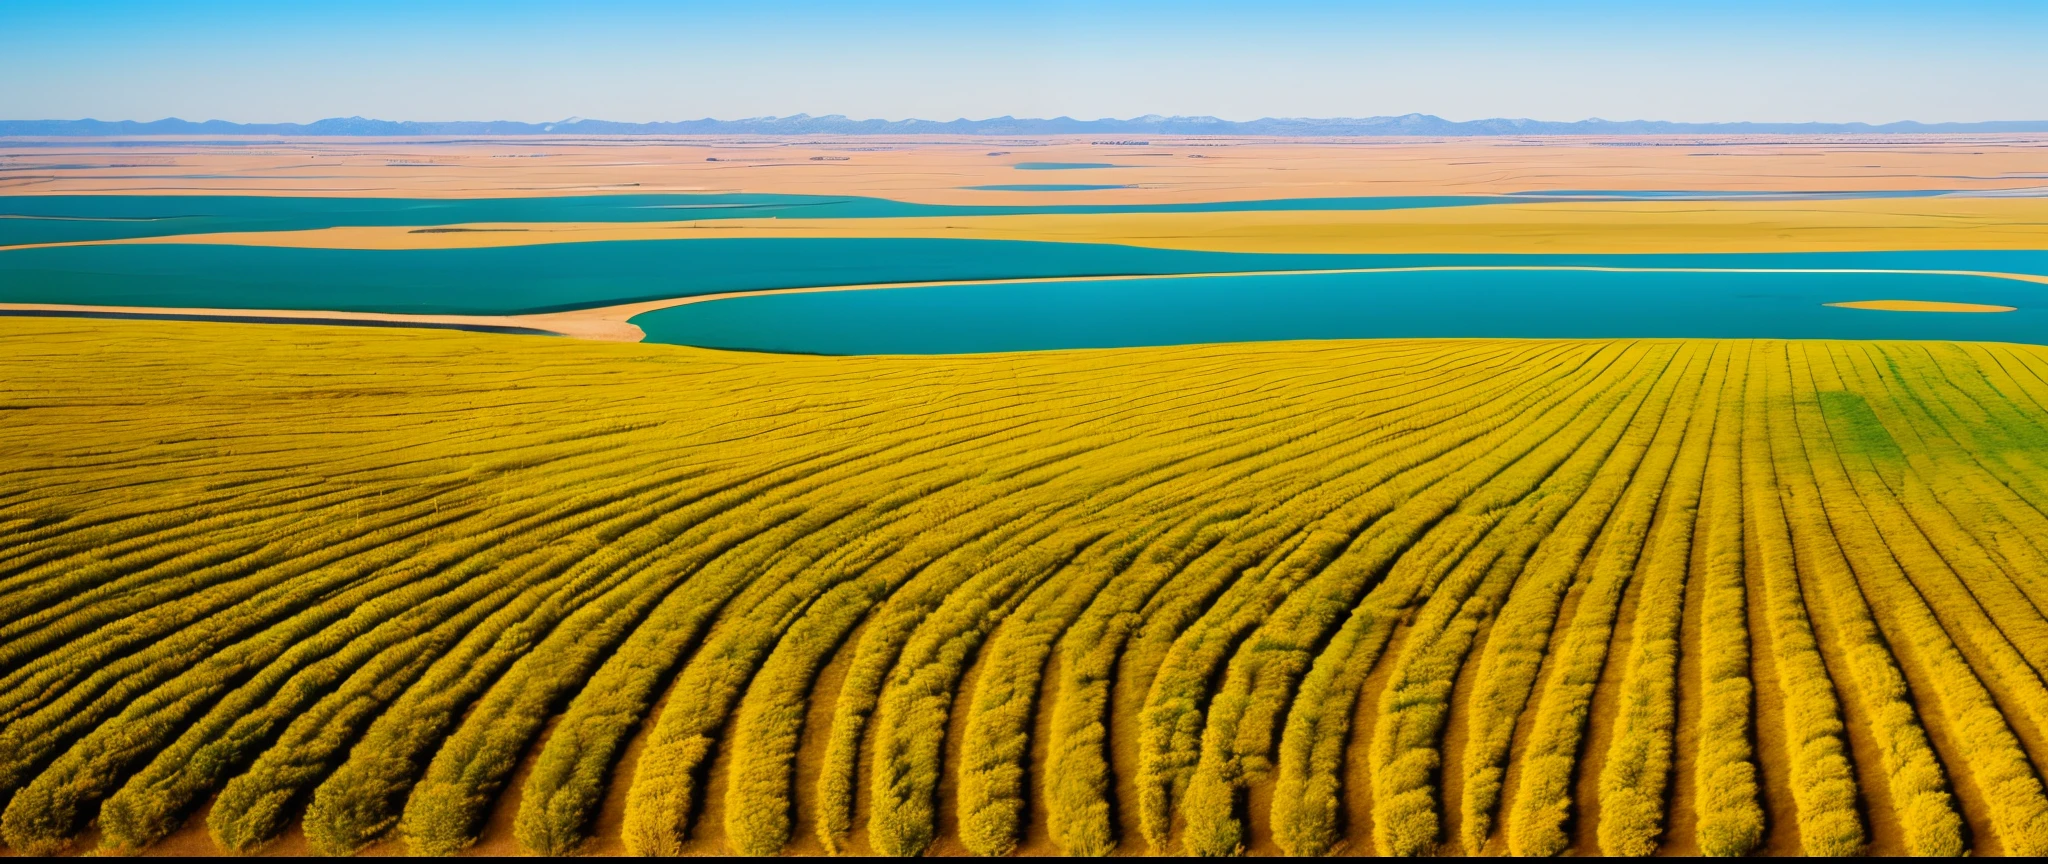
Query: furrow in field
x=1808, y=783
x=840, y=797
x=1476, y=496
x=55, y=805
x=1406, y=750
x=1934, y=625
x=478, y=754
x=1521, y=638
x=1219, y=598
x=522, y=559
x=1635, y=776
x=1716, y=804
x=1359, y=537
x=1915, y=786
x=394, y=724
x=1167, y=614
x=1081, y=776
x=1543, y=804
x=685, y=738
x=36, y=731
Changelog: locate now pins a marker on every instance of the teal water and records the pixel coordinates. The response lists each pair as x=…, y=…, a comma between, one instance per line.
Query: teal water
x=1046, y=187
x=1515, y=304
x=1063, y=166
x=526, y=279
x=33, y=219
x=28, y=219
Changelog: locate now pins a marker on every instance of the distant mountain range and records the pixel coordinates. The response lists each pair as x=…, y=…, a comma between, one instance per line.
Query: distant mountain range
x=1151, y=124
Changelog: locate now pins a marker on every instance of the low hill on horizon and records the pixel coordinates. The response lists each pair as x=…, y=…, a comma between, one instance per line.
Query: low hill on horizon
x=1426, y=125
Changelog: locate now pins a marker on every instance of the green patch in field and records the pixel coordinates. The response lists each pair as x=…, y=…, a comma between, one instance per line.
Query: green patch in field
x=1857, y=429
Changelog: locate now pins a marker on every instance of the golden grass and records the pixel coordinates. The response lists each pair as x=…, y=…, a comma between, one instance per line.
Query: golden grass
x=355, y=579
x=936, y=168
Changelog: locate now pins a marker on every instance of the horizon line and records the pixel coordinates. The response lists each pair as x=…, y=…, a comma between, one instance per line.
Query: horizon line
x=1411, y=123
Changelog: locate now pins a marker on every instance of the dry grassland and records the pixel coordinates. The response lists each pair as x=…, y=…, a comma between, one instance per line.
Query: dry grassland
x=939, y=170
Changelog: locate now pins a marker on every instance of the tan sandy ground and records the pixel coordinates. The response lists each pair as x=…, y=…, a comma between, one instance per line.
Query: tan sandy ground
x=1560, y=228
x=934, y=169
x=613, y=323
x=1919, y=306
x=602, y=328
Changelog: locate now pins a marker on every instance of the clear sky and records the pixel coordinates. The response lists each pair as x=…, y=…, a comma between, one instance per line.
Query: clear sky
x=289, y=60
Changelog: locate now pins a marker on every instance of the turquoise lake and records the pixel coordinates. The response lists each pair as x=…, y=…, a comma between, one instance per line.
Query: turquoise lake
x=1515, y=304
x=29, y=219
x=525, y=279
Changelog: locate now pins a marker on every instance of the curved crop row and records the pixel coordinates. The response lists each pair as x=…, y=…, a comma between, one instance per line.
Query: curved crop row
x=1918, y=786
x=1126, y=592
x=1521, y=634
x=1543, y=804
x=1405, y=757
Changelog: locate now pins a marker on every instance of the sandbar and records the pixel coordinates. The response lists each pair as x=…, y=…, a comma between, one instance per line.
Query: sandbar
x=1919, y=306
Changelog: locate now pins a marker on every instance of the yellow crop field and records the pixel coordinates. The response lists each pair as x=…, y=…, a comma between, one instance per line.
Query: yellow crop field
x=347, y=590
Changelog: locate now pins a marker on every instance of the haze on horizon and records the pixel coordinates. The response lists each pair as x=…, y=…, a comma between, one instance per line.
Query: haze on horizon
x=635, y=60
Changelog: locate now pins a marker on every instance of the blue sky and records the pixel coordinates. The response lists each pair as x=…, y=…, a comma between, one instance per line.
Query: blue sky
x=286, y=60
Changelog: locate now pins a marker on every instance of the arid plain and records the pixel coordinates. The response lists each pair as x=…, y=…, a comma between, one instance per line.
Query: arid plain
x=1042, y=496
